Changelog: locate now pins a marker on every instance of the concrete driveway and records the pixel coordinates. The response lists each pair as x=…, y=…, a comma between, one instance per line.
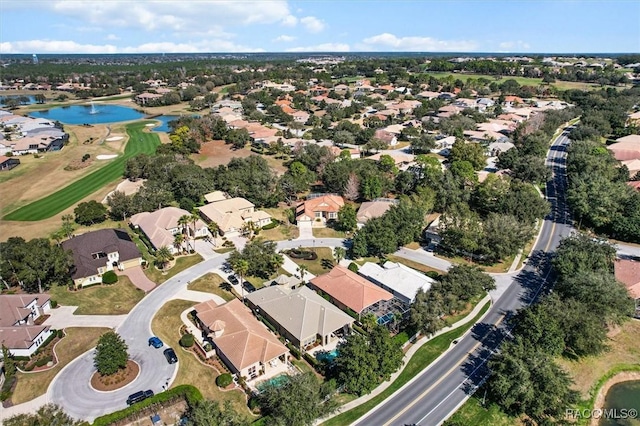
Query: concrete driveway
x=62, y=317
x=138, y=278
x=306, y=231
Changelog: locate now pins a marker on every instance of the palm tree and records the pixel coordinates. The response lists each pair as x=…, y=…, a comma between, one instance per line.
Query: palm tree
x=183, y=221
x=214, y=229
x=302, y=269
x=194, y=218
x=163, y=255
x=339, y=253
x=178, y=240
x=242, y=268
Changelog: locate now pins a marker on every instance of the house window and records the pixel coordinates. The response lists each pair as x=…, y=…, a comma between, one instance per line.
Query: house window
x=252, y=372
x=99, y=255
x=333, y=215
x=318, y=214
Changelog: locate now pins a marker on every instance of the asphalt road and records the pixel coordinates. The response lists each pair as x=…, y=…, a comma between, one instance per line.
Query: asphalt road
x=440, y=389
x=71, y=389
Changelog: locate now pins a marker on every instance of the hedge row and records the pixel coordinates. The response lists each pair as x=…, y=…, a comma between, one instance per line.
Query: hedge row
x=273, y=224
x=294, y=351
x=190, y=393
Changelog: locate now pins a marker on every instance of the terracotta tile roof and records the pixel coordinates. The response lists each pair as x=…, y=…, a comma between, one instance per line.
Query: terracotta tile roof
x=325, y=203
x=241, y=337
x=628, y=273
x=635, y=185
x=350, y=289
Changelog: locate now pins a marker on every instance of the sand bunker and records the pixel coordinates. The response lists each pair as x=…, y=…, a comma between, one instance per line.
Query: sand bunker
x=150, y=125
x=106, y=156
x=114, y=138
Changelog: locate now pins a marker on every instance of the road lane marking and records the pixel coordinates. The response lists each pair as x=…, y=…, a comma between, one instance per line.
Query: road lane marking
x=445, y=375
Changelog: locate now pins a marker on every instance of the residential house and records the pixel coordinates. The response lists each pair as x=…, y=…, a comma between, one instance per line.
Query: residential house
x=628, y=273
x=242, y=342
x=161, y=227
x=635, y=185
x=372, y=209
x=349, y=290
x=8, y=163
x=403, y=282
x=626, y=148
x=632, y=165
x=41, y=142
x=402, y=160
x=386, y=137
x=300, y=116
x=301, y=315
x=18, y=313
x=284, y=281
x=146, y=97
x=97, y=252
x=319, y=208
x=232, y=214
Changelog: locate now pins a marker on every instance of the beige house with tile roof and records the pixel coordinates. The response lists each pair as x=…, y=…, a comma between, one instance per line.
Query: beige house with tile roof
x=372, y=209
x=319, y=208
x=242, y=342
x=161, y=226
x=231, y=214
x=301, y=315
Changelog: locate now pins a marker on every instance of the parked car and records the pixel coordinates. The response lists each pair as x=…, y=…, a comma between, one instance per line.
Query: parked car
x=248, y=286
x=233, y=279
x=170, y=355
x=155, y=342
x=139, y=396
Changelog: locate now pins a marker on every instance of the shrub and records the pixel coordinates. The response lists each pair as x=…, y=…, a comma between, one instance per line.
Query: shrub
x=353, y=267
x=43, y=361
x=294, y=351
x=187, y=340
x=224, y=380
x=109, y=277
x=271, y=225
x=54, y=304
x=207, y=347
x=85, y=157
x=61, y=333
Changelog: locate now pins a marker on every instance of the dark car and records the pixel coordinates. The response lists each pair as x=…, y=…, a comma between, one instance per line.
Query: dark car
x=155, y=342
x=139, y=396
x=170, y=355
x=233, y=279
x=248, y=286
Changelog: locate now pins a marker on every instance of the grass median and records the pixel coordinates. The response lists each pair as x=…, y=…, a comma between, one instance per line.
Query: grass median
x=139, y=142
x=418, y=362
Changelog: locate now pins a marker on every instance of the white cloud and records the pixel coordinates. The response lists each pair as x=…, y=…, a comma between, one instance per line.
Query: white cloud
x=324, y=47
x=289, y=21
x=386, y=41
x=66, y=46
x=514, y=45
x=184, y=15
x=112, y=37
x=284, y=38
x=312, y=24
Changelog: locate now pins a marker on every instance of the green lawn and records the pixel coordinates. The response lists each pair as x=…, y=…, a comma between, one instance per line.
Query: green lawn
x=418, y=362
x=212, y=283
x=114, y=299
x=322, y=264
x=473, y=413
x=182, y=263
x=139, y=142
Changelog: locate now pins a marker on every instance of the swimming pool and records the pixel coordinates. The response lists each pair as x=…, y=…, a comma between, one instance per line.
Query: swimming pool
x=273, y=382
x=329, y=356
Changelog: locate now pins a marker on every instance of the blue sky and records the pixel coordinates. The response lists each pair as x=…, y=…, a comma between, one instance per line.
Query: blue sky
x=156, y=26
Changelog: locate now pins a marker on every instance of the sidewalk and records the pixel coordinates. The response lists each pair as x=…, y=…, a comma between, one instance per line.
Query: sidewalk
x=407, y=357
x=198, y=296
x=28, y=407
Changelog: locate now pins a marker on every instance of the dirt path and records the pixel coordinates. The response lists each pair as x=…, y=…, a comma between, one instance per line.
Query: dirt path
x=618, y=378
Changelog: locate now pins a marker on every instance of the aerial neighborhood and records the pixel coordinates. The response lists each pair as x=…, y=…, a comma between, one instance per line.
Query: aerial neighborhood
x=291, y=239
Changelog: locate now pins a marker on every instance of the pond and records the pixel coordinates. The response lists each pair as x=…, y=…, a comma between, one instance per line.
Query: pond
x=622, y=397
x=94, y=113
x=164, y=123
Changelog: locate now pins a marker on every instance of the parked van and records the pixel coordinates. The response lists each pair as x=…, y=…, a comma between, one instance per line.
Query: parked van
x=139, y=396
